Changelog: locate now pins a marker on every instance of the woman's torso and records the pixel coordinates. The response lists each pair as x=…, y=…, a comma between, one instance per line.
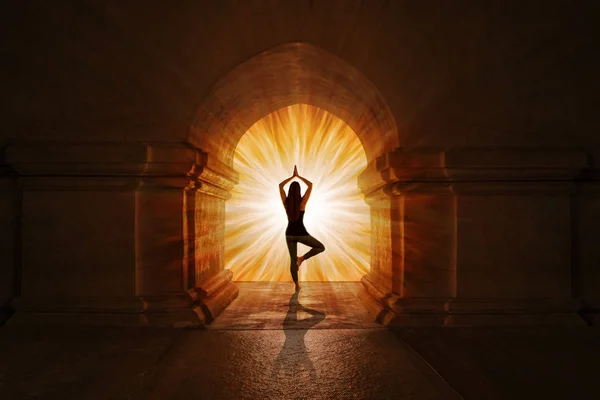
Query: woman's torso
x=296, y=228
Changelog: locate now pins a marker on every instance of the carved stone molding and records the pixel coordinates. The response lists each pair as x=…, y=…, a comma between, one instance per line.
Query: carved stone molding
x=84, y=159
x=475, y=170
x=118, y=166
x=371, y=179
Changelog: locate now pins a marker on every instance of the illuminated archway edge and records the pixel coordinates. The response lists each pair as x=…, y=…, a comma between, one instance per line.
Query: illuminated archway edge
x=288, y=74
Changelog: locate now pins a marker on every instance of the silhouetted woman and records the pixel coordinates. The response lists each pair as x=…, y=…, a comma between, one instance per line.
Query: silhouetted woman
x=296, y=232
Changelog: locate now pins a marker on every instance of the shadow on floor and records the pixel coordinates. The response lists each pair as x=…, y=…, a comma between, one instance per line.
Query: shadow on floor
x=293, y=358
x=265, y=305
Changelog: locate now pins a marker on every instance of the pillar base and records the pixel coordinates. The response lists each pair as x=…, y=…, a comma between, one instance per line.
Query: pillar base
x=376, y=311
x=391, y=310
x=215, y=295
x=183, y=310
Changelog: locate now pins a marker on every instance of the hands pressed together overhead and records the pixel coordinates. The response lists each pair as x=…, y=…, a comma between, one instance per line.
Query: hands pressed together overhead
x=294, y=175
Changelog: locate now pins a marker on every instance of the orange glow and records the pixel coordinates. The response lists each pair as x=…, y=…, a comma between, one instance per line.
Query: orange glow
x=330, y=155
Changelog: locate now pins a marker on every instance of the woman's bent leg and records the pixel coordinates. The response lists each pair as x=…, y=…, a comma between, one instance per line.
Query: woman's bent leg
x=292, y=245
x=317, y=247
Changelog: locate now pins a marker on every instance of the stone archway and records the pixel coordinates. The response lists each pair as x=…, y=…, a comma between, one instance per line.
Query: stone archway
x=292, y=73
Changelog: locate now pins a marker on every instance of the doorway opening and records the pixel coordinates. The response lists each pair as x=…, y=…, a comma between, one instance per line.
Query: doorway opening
x=329, y=154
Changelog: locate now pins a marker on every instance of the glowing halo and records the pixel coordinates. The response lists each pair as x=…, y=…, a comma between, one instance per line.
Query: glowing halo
x=329, y=154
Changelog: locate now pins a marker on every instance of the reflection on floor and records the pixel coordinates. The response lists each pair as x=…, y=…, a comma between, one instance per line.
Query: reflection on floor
x=275, y=305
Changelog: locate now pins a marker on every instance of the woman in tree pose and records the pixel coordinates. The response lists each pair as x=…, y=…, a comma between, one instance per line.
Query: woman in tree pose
x=296, y=232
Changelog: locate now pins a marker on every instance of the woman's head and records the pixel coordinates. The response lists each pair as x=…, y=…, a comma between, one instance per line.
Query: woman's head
x=292, y=202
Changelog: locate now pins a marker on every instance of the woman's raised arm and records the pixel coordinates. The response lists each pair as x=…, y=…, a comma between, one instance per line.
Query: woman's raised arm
x=308, y=191
x=281, y=191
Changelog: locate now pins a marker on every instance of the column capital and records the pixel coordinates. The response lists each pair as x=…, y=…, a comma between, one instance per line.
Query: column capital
x=213, y=177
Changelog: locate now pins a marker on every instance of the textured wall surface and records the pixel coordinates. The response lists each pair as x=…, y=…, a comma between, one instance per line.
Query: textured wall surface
x=75, y=245
x=474, y=73
x=210, y=236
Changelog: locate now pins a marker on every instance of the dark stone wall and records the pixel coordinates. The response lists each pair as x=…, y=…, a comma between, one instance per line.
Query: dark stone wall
x=468, y=73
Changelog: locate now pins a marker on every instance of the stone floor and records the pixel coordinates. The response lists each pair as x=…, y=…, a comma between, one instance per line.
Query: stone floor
x=513, y=363
x=319, y=344
x=275, y=305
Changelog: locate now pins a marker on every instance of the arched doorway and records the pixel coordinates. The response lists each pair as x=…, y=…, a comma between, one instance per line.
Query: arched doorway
x=294, y=73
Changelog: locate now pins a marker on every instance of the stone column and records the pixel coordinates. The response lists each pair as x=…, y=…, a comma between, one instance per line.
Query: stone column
x=109, y=235
x=379, y=282
x=479, y=237
x=422, y=233
x=427, y=263
x=213, y=288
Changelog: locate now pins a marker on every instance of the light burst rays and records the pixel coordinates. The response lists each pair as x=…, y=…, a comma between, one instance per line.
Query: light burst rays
x=330, y=155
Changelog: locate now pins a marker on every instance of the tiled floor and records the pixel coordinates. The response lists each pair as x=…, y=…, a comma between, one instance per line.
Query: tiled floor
x=275, y=305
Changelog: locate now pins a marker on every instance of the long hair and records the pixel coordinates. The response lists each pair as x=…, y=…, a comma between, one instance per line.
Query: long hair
x=292, y=202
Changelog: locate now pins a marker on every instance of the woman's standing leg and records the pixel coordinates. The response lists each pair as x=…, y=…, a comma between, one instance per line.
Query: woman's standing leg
x=292, y=245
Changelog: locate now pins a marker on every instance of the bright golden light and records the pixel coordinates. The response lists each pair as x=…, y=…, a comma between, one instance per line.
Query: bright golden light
x=329, y=154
